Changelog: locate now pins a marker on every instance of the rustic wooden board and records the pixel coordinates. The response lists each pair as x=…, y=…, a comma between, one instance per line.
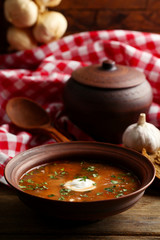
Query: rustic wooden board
x=17, y=221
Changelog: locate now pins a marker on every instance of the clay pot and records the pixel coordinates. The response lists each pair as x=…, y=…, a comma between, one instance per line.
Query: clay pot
x=105, y=99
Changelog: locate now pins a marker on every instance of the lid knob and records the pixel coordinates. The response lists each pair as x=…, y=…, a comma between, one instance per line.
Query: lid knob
x=108, y=65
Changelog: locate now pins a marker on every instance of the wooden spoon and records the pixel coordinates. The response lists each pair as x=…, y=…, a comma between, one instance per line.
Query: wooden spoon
x=27, y=114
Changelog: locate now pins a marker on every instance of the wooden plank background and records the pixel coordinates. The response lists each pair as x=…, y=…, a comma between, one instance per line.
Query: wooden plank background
x=140, y=15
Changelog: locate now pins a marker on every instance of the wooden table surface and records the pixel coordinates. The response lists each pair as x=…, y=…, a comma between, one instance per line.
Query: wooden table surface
x=141, y=222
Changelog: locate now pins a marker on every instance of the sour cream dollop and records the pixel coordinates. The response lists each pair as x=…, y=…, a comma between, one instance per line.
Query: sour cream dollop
x=80, y=185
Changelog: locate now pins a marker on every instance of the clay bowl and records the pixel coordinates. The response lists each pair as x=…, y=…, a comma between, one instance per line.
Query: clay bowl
x=85, y=211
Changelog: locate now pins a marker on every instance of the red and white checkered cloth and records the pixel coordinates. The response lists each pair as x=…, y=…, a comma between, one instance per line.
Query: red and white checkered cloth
x=40, y=74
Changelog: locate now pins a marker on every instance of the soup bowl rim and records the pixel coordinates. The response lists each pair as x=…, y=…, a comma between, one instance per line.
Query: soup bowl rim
x=19, y=156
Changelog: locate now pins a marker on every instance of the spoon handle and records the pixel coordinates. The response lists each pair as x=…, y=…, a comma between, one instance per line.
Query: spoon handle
x=59, y=137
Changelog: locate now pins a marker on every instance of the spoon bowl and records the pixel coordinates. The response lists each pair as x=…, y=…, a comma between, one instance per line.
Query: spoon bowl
x=27, y=114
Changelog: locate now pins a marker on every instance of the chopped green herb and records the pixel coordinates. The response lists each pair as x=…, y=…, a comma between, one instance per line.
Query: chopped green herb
x=83, y=178
x=99, y=193
x=22, y=186
x=114, y=182
x=124, y=190
x=27, y=174
x=109, y=189
x=63, y=173
x=113, y=176
x=95, y=175
x=30, y=180
x=30, y=188
x=83, y=195
x=65, y=191
x=90, y=168
x=53, y=177
x=119, y=178
x=41, y=167
x=119, y=195
x=45, y=183
x=61, y=198
x=21, y=181
x=51, y=195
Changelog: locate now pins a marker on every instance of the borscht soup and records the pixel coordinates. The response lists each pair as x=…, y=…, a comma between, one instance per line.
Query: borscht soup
x=78, y=181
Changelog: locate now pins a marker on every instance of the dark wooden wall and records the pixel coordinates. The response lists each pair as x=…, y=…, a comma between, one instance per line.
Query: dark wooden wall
x=84, y=15
x=88, y=15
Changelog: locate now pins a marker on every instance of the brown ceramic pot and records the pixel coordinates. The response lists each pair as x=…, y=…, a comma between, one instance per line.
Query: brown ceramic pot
x=105, y=99
x=86, y=211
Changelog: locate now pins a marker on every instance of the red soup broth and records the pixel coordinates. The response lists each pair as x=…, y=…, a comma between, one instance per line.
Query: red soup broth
x=48, y=181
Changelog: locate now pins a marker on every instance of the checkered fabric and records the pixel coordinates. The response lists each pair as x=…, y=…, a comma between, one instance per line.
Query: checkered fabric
x=40, y=74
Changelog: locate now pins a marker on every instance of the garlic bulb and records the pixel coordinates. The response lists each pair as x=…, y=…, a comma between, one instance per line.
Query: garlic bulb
x=20, y=39
x=21, y=13
x=50, y=26
x=142, y=135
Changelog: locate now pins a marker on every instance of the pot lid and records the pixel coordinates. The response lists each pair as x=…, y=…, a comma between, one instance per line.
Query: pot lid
x=108, y=75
